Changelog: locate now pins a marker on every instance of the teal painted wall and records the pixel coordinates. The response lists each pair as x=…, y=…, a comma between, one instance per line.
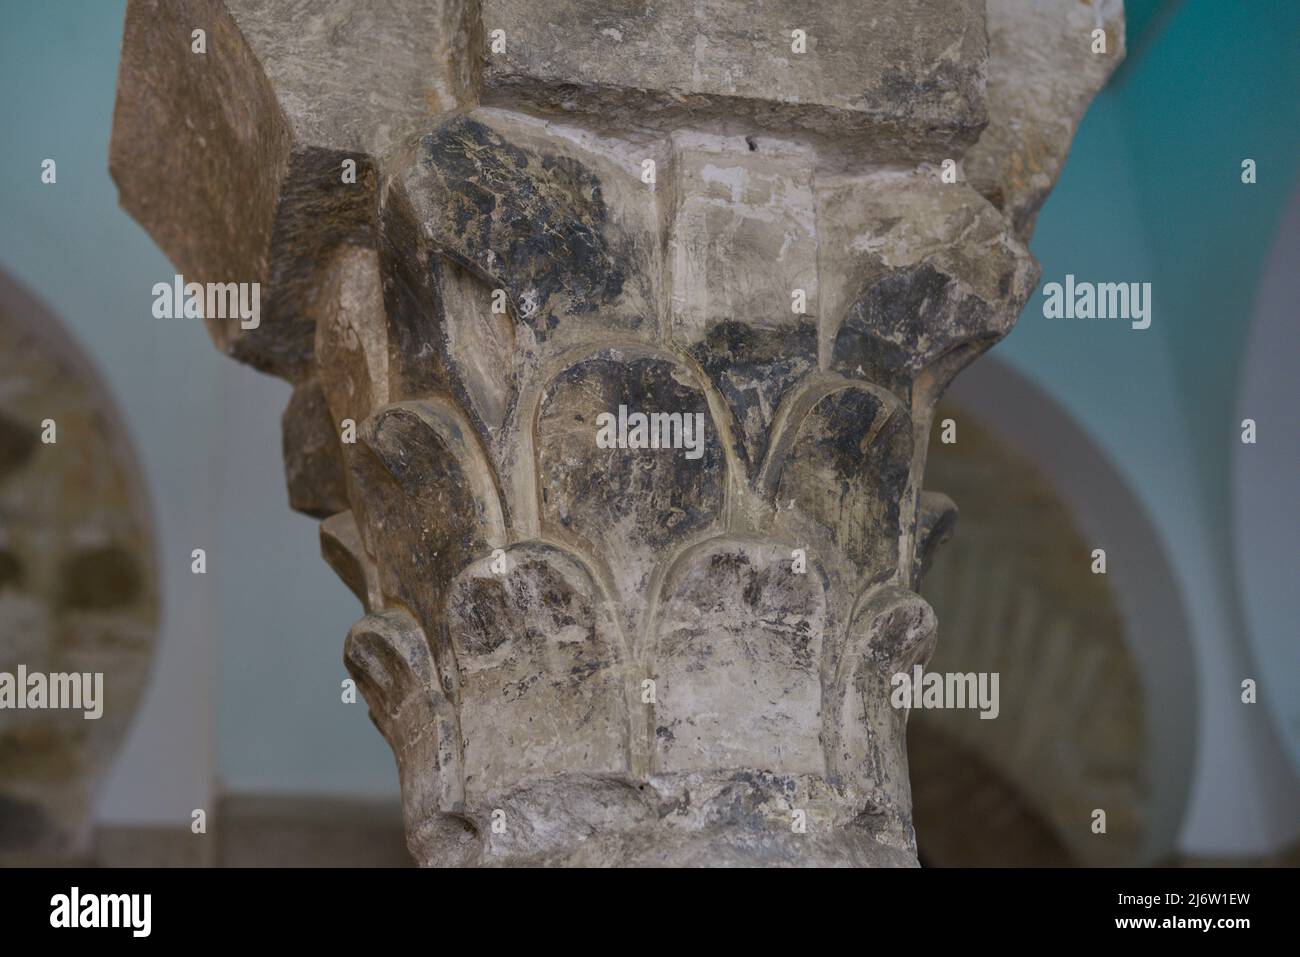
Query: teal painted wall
x=1152, y=192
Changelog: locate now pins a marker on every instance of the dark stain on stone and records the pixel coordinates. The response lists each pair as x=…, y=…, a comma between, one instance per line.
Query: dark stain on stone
x=892, y=316
x=849, y=485
x=536, y=220
x=482, y=609
x=412, y=302
x=728, y=561
x=313, y=216
x=913, y=94
x=490, y=612
x=672, y=495
x=848, y=419
x=421, y=510
x=753, y=368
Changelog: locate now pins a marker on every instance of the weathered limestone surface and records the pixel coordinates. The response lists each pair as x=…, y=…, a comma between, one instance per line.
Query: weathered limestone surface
x=1041, y=79
x=897, y=79
x=585, y=654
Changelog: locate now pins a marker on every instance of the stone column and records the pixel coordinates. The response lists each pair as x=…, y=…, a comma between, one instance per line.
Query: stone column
x=485, y=230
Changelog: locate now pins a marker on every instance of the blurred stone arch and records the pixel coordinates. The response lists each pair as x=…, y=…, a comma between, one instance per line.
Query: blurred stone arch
x=79, y=588
x=1097, y=686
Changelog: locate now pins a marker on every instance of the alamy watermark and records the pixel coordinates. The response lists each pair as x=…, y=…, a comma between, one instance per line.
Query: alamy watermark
x=951, y=689
x=77, y=690
x=75, y=909
x=654, y=430
x=215, y=300
x=1103, y=300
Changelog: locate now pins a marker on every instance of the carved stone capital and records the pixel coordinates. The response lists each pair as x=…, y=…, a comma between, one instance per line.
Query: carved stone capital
x=596, y=652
